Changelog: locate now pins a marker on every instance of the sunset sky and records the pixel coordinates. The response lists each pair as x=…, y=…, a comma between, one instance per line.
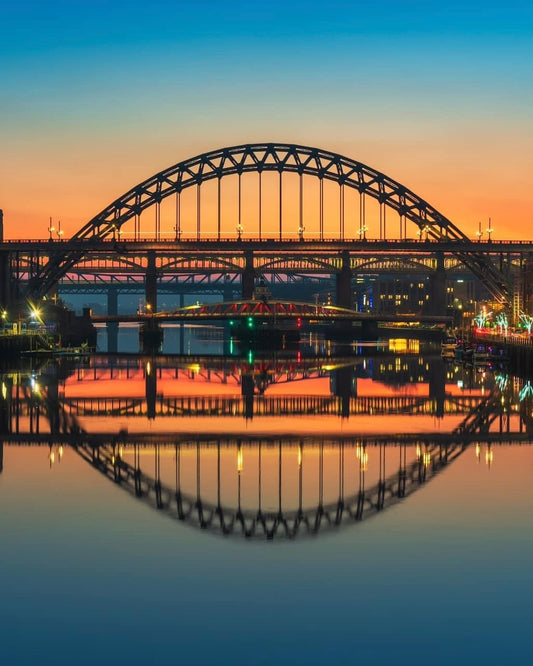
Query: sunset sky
x=99, y=95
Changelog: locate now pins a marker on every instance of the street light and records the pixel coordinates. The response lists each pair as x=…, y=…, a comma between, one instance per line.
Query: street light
x=479, y=233
x=35, y=316
x=362, y=232
x=301, y=230
x=59, y=230
x=240, y=230
x=423, y=230
x=240, y=461
x=490, y=230
x=51, y=230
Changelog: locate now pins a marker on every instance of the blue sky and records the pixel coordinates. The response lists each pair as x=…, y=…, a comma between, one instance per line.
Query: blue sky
x=447, y=84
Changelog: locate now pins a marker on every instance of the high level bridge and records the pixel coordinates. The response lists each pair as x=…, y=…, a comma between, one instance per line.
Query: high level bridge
x=229, y=216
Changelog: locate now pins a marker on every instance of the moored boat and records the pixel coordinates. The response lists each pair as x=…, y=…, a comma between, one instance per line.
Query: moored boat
x=480, y=354
x=448, y=346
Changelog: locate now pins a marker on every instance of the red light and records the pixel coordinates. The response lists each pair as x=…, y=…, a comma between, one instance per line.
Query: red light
x=299, y=322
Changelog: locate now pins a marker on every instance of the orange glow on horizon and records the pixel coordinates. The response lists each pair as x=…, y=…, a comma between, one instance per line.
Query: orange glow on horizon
x=465, y=195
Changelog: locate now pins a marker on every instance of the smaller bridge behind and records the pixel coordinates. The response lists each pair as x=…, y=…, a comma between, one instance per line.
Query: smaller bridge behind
x=270, y=311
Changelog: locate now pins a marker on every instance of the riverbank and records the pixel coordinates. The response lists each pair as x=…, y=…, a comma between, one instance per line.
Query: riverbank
x=16, y=343
x=517, y=350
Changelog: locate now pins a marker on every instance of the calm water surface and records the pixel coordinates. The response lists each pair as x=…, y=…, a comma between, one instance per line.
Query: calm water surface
x=362, y=505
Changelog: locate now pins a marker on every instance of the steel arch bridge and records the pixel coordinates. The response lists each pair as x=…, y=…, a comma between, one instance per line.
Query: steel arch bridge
x=281, y=159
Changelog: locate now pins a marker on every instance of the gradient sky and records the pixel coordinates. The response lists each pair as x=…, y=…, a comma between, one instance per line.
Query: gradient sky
x=98, y=95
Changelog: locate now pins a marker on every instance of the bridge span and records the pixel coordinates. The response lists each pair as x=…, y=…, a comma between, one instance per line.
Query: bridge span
x=269, y=310
x=266, y=209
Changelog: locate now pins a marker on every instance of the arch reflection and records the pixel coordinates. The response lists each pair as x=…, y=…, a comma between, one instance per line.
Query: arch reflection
x=295, y=487
x=273, y=489
x=265, y=487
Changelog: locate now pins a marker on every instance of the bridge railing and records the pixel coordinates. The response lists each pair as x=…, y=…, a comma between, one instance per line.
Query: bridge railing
x=288, y=237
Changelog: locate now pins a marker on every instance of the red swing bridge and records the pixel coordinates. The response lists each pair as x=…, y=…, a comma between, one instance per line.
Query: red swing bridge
x=268, y=311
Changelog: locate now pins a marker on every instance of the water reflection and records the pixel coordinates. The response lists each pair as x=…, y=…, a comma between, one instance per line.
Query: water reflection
x=270, y=448
x=221, y=386
x=271, y=489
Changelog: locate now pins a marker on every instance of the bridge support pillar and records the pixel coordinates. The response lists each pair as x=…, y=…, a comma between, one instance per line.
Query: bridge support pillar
x=112, y=326
x=53, y=401
x=343, y=285
x=227, y=295
x=6, y=284
x=150, y=284
x=437, y=303
x=5, y=416
x=343, y=382
x=437, y=385
x=369, y=329
x=227, y=292
x=343, y=293
x=5, y=281
x=247, y=391
x=182, y=327
x=150, y=337
x=248, y=276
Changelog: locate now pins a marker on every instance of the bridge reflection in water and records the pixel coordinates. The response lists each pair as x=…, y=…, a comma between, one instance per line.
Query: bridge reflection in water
x=258, y=485
x=288, y=487
x=148, y=388
x=271, y=489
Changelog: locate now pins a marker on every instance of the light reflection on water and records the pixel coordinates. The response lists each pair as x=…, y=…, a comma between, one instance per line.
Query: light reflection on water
x=150, y=494
x=177, y=339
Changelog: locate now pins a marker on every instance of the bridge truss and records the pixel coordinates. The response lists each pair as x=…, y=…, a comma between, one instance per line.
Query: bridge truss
x=288, y=246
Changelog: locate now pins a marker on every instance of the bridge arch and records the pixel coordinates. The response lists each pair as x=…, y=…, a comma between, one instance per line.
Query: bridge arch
x=264, y=157
x=414, y=265
x=281, y=158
